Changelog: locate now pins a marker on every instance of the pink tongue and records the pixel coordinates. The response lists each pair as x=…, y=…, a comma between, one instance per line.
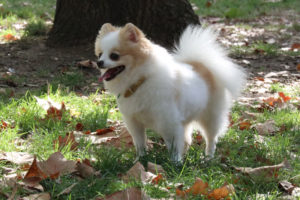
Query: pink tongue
x=104, y=76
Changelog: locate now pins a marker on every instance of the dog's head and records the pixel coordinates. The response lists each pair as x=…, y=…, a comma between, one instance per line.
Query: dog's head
x=120, y=50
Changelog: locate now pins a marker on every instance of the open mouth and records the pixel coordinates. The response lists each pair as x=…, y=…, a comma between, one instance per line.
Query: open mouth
x=112, y=73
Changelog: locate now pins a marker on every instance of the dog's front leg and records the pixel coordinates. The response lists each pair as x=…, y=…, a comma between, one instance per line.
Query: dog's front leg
x=137, y=132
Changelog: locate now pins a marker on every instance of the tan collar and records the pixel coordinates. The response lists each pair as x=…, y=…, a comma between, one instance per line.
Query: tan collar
x=131, y=90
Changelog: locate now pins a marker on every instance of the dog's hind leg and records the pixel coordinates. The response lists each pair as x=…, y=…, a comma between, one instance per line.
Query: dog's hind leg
x=174, y=138
x=214, y=122
x=137, y=131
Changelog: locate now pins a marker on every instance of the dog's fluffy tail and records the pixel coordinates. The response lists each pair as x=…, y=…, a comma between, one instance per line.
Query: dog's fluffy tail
x=200, y=45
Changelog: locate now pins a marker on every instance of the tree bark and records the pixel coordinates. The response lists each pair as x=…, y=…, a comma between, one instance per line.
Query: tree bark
x=78, y=21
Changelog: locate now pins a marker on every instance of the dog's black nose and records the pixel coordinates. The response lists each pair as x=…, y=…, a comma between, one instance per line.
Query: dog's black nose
x=100, y=63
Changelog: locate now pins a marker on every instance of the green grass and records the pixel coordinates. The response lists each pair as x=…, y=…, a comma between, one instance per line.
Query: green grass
x=244, y=9
x=35, y=28
x=237, y=148
x=25, y=18
x=261, y=48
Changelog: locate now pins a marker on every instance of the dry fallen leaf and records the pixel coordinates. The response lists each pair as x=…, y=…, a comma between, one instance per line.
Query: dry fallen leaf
x=222, y=192
x=69, y=139
x=128, y=194
x=295, y=46
x=79, y=127
x=53, y=167
x=267, y=128
x=39, y=196
x=19, y=158
x=138, y=172
x=54, y=110
x=263, y=172
x=199, y=139
x=244, y=125
x=259, y=78
x=298, y=67
x=87, y=64
x=284, y=97
x=157, y=179
x=57, y=163
x=124, y=140
x=199, y=187
x=85, y=170
x=154, y=168
x=104, y=131
x=34, y=174
x=286, y=186
x=9, y=37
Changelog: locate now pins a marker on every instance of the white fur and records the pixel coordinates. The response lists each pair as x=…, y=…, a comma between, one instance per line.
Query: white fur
x=174, y=98
x=200, y=44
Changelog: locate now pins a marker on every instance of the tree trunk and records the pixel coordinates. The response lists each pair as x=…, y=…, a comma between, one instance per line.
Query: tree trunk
x=78, y=21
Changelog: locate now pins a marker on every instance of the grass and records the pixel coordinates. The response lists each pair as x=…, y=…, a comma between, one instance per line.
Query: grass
x=244, y=9
x=25, y=18
x=31, y=132
x=262, y=48
x=237, y=148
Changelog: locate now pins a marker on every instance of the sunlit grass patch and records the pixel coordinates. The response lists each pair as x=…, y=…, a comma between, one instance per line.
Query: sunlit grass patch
x=243, y=9
x=16, y=15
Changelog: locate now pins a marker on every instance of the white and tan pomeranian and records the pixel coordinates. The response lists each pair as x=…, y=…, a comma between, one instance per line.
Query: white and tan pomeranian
x=170, y=93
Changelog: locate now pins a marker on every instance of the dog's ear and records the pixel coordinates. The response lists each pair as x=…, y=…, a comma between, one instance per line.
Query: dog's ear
x=106, y=28
x=131, y=33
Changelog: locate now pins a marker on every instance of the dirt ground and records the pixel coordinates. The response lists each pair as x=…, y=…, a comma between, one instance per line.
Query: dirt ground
x=33, y=64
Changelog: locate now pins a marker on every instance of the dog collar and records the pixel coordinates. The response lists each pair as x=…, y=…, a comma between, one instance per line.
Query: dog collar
x=131, y=90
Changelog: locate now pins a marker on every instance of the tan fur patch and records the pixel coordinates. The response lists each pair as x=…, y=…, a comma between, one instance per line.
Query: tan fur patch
x=139, y=49
x=204, y=73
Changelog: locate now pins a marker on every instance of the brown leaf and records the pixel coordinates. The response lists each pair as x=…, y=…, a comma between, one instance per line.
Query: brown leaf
x=84, y=169
x=284, y=98
x=34, y=174
x=298, y=67
x=128, y=194
x=208, y=4
x=259, y=78
x=9, y=37
x=79, y=127
x=104, y=131
x=266, y=128
x=295, y=46
x=286, y=186
x=138, y=172
x=39, y=196
x=87, y=64
x=199, y=139
x=199, y=187
x=124, y=140
x=263, y=172
x=180, y=192
x=244, y=125
x=157, y=179
x=222, y=192
x=54, y=110
x=69, y=139
x=273, y=102
x=56, y=163
x=154, y=168
x=250, y=115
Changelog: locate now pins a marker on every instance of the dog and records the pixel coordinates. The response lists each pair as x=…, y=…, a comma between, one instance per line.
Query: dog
x=172, y=93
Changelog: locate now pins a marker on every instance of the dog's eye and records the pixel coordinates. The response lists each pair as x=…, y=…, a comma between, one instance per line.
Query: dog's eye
x=114, y=56
x=100, y=54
